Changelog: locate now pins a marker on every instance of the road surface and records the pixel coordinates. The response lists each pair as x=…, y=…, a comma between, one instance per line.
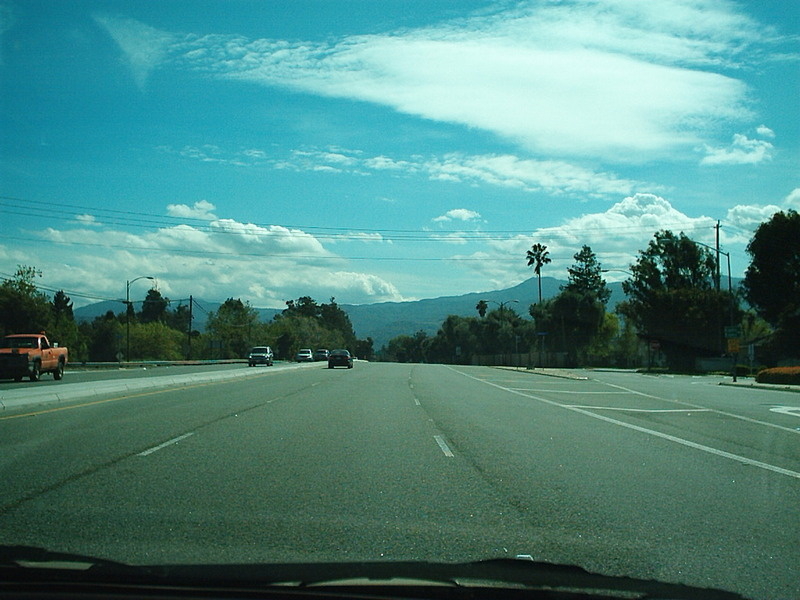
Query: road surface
x=670, y=478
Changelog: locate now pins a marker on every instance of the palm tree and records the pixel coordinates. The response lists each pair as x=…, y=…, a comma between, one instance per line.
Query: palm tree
x=538, y=257
x=481, y=307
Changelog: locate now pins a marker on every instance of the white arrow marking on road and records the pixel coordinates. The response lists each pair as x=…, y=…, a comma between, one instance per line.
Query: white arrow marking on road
x=787, y=410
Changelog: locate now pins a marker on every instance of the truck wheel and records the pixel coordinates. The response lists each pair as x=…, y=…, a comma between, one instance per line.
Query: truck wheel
x=35, y=372
x=59, y=372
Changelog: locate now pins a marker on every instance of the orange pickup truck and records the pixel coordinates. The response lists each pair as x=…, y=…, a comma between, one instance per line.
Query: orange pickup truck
x=30, y=355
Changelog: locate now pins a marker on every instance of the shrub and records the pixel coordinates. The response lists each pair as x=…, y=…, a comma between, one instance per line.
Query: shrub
x=785, y=375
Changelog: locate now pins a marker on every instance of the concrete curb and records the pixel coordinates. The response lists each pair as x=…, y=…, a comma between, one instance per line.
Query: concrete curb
x=66, y=392
x=547, y=373
x=762, y=386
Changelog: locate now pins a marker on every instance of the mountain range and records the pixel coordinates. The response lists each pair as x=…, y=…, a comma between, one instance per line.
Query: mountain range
x=384, y=320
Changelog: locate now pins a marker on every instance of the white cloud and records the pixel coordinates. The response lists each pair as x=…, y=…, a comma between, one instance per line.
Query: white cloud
x=554, y=177
x=748, y=217
x=616, y=236
x=765, y=131
x=144, y=47
x=501, y=170
x=793, y=199
x=219, y=259
x=199, y=210
x=364, y=237
x=623, y=80
x=745, y=218
x=86, y=220
x=458, y=214
x=742, y=151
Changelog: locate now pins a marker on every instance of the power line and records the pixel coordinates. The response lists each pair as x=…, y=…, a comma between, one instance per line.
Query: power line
x=145, y=220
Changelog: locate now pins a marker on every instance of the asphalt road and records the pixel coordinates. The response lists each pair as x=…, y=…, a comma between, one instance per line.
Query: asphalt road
x=670, y=478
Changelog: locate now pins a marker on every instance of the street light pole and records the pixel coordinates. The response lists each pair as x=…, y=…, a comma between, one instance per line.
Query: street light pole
x=128, y=314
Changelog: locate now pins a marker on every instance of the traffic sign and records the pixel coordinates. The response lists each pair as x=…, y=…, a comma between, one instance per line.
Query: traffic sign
x=733, y=331
x=733, y=345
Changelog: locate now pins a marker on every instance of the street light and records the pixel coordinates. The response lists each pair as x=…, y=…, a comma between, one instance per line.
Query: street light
x=128, y=313
x=617, y=270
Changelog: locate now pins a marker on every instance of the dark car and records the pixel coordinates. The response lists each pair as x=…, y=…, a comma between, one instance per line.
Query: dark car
x=260, y=355
x=321, y=354
x=340, y=358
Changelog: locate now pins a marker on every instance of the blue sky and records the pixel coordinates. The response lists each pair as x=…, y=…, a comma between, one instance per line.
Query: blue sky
x=388, y=150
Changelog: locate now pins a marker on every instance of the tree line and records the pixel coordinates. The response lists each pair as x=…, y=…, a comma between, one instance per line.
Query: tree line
x=160, y=332
x=674, y=302
x=674, y=306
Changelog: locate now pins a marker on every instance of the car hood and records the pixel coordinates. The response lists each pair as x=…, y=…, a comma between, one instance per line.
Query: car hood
x=24, y=563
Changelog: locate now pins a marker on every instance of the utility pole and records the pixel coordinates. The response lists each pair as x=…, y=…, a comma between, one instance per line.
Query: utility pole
x=189, y=333
x=717, y=274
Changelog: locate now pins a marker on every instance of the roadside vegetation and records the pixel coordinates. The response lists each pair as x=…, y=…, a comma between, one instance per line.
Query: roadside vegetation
x=677, y=311
x=159, y=331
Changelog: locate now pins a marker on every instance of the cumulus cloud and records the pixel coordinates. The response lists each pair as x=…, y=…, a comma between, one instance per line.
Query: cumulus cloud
x=458, y=214
x=793, y=199
x=742, y=151
x=623, y=80
x=616, y=236
x=747, y=217
x=199, y=210
x=264, y=264
x=86, y=220
x=765, y=131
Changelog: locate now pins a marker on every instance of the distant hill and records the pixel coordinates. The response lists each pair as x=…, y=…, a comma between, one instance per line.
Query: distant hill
x=384, y=320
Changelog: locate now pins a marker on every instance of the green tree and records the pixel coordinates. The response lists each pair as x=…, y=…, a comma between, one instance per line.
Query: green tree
x=482, y=306
x=672, y=299
x=364, y=349
x=234, y=326
x=408, y=348
x=156, y=341
x=584, y=277
x=63, y=329
x=538, y=256
x=179, y=318
x=23, y=308
x=772, y=281
x=154, y=308
x=105, y=337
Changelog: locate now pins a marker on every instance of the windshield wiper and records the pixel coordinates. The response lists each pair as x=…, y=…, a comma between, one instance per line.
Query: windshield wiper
x=34, y=557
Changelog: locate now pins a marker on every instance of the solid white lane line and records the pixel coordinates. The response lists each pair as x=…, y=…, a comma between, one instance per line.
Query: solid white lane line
x=545, y=390
x=443, y=445
x=165, y=444
x=652, y=432
x=643, y=410
x=714, y=410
